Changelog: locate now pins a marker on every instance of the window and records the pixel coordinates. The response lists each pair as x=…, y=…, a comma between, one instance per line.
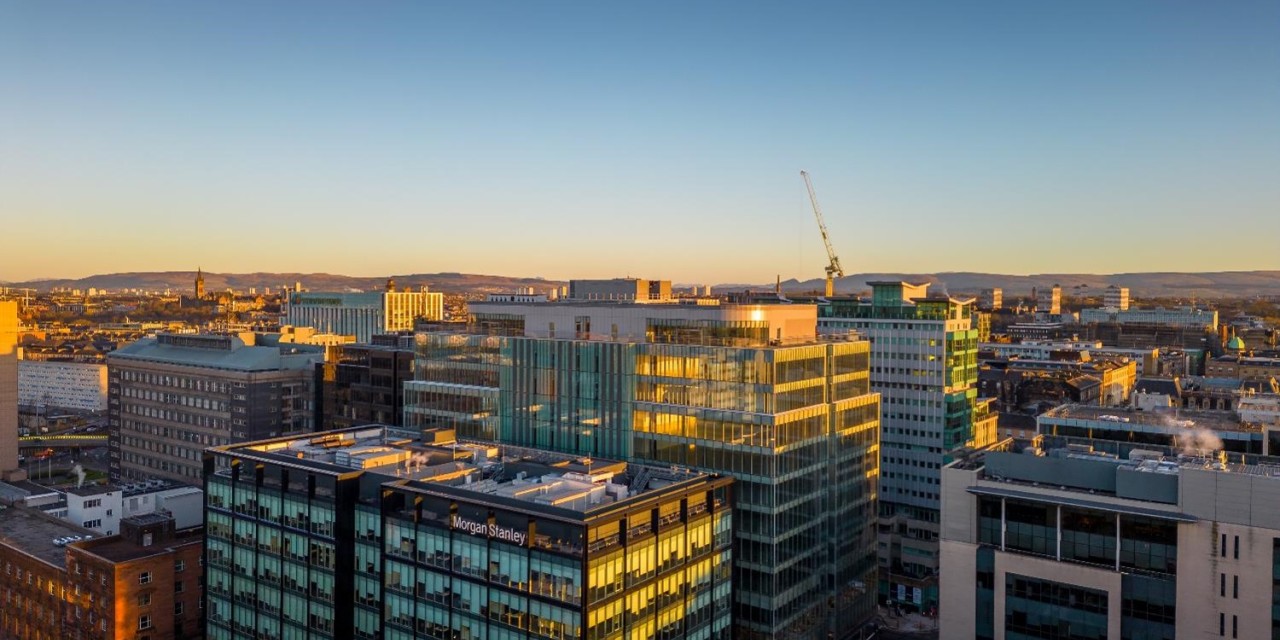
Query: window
x=180, y=566
x=1223, y=546
x=96, y=502
x=93, y=524
x=1237, y=551
x=177, y=608
x=1222, y=585
x=144, y=577
x=1235, y=587
x=144, y=599
x=144, y=622
x=177, y=587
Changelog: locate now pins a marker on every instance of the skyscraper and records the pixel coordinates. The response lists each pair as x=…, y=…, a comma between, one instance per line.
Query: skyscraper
x=924, y=364
x=747, y=390
x=9, y=391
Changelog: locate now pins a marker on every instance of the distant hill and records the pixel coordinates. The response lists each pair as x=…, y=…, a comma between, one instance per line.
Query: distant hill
x=1222, y=284
x=184, y=281
x=1160, y=284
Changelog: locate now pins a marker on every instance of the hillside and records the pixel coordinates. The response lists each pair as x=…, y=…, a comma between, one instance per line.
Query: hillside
x=1156, y=284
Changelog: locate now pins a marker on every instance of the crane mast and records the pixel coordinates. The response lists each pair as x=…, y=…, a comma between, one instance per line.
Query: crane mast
x=833, y=268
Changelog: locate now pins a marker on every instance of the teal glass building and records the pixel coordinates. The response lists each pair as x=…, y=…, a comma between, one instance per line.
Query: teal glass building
x=369, y=533
x=749, y=391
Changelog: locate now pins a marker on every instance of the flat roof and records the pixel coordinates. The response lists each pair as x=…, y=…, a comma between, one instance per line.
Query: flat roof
x=520, y=474
x=1171, y=420
x=1100, y=505
x=118, y=549
x=33, y=532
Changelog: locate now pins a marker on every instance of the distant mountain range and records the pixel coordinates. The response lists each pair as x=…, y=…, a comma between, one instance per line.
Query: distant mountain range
x=1159, y=284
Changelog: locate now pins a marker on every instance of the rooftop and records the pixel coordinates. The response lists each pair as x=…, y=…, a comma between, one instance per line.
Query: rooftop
x=533, y=476
x=1161, y=420
x=217, y=352
x=33, y=532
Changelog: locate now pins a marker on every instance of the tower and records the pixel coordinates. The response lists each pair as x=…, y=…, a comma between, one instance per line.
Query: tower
x=199, y=284
x=9, y=469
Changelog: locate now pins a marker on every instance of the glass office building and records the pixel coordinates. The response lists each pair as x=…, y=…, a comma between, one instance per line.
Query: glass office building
x=456, y=540
x=924, y=365
x=745, y=390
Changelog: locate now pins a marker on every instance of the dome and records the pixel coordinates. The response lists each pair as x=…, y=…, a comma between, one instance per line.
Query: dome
x=1235, y=344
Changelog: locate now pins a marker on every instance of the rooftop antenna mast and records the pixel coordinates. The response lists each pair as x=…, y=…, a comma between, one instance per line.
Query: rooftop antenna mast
x=833, y=269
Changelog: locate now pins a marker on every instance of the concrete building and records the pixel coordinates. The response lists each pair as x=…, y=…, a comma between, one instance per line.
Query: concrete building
x=173, y=395
x=372, y=533
x=1182, y=428
x=621, y=290
x=9, y=469
x=1145, y=360
x=991, y=299
x=1049, y=301
x=79, y=386
x=1116, y=298
x=1187, y=317
x=750, y=391
x=1059, y=539
x=362, y=314
x=924, y=364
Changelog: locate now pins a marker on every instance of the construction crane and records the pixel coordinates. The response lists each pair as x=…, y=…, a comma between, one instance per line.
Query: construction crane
x=833, y=269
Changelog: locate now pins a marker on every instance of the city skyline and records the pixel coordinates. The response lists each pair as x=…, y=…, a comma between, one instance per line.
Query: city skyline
x=249, y=138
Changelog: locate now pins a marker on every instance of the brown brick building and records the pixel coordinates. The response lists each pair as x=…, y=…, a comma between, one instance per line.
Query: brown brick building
x=33, y=585
x=144, y=583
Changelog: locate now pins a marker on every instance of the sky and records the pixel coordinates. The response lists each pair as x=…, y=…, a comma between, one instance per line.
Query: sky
x=652, y=139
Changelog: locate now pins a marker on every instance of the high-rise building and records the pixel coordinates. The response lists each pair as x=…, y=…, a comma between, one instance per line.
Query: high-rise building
x=1116, y=298
x=924, y=365
x=372, y=533
x=362, y=315
x=1049, y=300
x=991, y=299
x=9, y=391
x=751, y=391
x=1055, y=538
x=174, y=394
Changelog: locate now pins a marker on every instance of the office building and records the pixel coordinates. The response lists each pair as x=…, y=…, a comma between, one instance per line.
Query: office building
x=1204, y=320
x=76, y=386
x=363, y=384
x=363, y=314
x=991, y=299
x=1116, y=298
x=924, y=364
x=621, y=290
x=1194, y=429
x=751, y=391
x=372, y=533
x=1049, y=300
x=1058, y=539
x=9, y=469
x=173, y=395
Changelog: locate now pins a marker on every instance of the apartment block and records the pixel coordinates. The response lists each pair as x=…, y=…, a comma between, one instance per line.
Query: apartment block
x=79, y=386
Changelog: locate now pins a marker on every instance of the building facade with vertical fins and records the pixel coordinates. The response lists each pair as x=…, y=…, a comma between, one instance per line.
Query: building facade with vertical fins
x=924, y=365
x=375, y=533
x=750, y=391
x=362, y=315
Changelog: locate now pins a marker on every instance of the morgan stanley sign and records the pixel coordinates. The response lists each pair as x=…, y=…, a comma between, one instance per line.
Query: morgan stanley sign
x=491, y=530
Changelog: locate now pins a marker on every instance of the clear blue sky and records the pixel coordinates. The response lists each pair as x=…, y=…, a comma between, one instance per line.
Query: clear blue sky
x=656, y=139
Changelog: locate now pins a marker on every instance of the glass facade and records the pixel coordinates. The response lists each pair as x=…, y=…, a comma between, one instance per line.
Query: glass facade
x=1037, y=608
x=924, y=364
x=288, y=546
x=796, y=426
